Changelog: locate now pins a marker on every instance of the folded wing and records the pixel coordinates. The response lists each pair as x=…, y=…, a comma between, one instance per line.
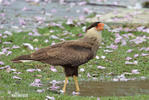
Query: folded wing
x=72, y=53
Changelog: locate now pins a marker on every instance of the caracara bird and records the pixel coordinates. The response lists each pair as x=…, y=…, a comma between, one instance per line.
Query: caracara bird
x=69, y=54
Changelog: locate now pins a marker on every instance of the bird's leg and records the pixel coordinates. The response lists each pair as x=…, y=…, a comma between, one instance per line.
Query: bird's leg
x=76, y=83
x=64, y=88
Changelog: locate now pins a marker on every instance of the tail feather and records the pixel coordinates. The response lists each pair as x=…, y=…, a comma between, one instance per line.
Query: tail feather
x=22, y=58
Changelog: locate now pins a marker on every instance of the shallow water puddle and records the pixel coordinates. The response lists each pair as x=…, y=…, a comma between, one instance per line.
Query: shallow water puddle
x=94, y=88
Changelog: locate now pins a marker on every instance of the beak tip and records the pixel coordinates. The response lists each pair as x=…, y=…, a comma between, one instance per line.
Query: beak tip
x=106, y=27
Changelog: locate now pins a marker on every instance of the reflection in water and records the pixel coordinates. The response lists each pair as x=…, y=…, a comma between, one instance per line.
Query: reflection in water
x=95, y=88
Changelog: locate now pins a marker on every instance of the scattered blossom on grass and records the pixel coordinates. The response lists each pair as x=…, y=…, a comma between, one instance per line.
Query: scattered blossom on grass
x=40, y=90
x=128, y=58
x=112, y=46
x=36, y=83
x=49, y=98
x=88, y=75
x=97, y=57
x=101, y=67
x=52, y=68
x=135, y=71
x=131, y=63
x=16, y=77
x=136, y=55
x=103, y=57
x=82, y=70
x=5, y=67
x=75, y=93
x=1, y=63
x=29, y=46
x=32, y=70
x=129, y=50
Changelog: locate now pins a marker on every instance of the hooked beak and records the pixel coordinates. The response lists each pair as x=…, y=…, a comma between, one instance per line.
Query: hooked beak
x=106, y=27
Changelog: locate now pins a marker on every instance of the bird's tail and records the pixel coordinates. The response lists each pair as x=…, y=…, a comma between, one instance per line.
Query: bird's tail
x=23, y=58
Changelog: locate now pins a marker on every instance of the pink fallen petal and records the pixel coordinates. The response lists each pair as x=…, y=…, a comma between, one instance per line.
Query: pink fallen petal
x=29, y=46
x=103, y=57
x=10, y=70
x=98, y=98
x=131, y=63
x=139, y=39
x=82, y=70
x=128, y=58
x=7, y=43
x=140, y=28
x=128, y=63
x=69, y=21
x=115, y=79
x=46, y=41
x=1, y=63
x=16, y=77
x=118, y=38
x=101, y=67
x=15, y=47
x=122, y=77
x=40, y=90
x=147, y=49
x=123, y=42
x=75, y=93
x=5, y=67
x=136, y=55
x=108, y=51
x=53, y=69
x=8, y=53
x=97, y=57
x=17, y=73
x=54, y=87
x=54, y=37
x=143, y=77
x=8, y=33
x=22, y=22
x=88, y=75
x=112, y=46
x=36, y=33
x=30, y=70
x=144, y=54
x=135, y=71
x=49, y=98
x=36, y=83
x=129, y=50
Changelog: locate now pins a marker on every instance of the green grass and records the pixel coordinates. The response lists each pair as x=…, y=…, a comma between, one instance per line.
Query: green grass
x=115, y=63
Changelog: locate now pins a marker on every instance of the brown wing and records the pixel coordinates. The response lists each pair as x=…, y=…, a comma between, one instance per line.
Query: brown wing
x=72, y=53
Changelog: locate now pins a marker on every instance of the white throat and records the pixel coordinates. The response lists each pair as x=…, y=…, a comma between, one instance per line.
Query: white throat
x=94, y=33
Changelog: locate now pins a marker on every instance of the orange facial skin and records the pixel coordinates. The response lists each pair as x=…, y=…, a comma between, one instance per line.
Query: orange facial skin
x=100, y=27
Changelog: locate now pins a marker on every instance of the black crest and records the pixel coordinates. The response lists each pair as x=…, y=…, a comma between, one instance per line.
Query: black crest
x=92, y=25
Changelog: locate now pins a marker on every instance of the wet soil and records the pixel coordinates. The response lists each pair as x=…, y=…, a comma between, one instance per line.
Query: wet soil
x=94, y=88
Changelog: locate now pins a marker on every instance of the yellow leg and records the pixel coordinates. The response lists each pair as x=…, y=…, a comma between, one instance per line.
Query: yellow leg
x=64, y=88
x=76, y=83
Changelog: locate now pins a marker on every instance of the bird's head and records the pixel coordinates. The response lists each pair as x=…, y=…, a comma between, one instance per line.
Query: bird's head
x=95, y=30
x=98, y=26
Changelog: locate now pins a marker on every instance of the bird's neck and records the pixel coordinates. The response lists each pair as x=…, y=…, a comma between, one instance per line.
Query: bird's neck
x=94, y=34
